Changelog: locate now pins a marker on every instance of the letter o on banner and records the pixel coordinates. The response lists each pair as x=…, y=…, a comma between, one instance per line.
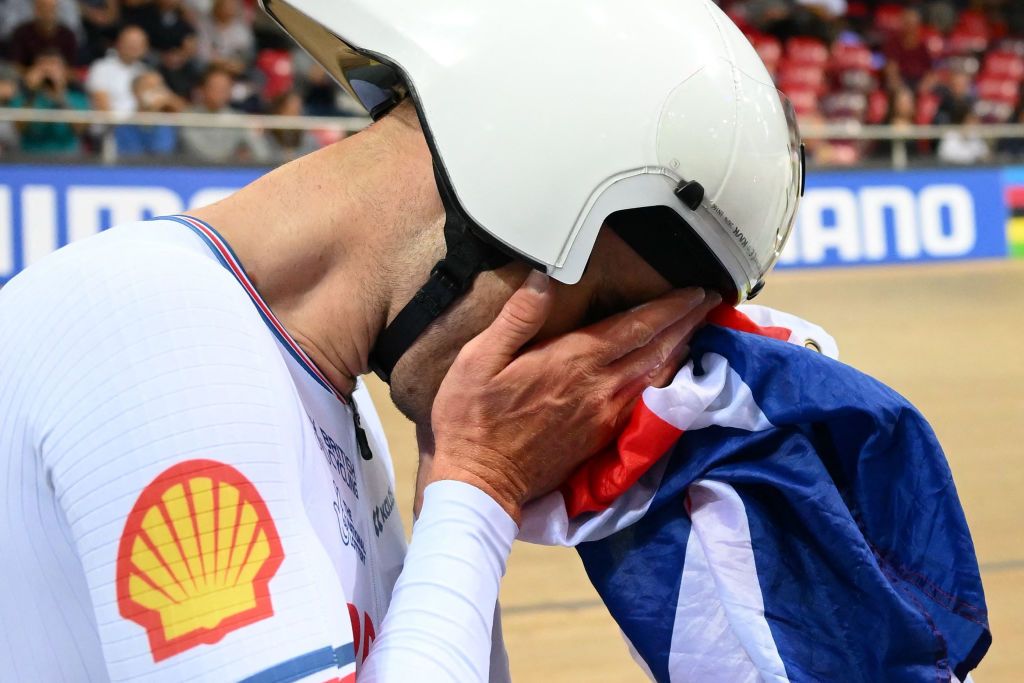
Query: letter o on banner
x=939, y=202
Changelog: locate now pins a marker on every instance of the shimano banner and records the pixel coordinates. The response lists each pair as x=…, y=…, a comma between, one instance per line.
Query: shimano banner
x=847, y=218
x=866, y=217
x=43, y=208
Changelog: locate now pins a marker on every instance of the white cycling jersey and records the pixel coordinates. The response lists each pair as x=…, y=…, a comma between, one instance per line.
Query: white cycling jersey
x=186, y=497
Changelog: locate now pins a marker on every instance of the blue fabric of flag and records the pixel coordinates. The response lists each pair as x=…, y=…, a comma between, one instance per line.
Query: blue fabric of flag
x=864, y=558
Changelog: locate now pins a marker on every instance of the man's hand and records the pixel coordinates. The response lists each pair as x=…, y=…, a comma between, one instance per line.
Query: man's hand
x=516, y=425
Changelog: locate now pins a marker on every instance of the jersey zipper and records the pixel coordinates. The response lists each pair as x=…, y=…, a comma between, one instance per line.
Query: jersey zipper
x=366, y=455
x=365, y=452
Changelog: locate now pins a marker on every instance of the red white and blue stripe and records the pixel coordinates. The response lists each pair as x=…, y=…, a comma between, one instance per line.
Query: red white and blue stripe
x=222, y=250
x=775, y=515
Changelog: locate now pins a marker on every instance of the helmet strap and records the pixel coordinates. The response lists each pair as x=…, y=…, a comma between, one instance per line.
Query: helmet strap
x=467, y=256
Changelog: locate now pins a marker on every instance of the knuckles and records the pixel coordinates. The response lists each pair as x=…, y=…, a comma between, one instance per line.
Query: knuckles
x=639, y=333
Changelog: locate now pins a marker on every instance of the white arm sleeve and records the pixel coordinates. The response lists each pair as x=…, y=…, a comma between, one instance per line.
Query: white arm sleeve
x=439, y=626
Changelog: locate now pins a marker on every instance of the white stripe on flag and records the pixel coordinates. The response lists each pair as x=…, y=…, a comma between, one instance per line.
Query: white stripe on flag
x=720, y=630
x=718, y=397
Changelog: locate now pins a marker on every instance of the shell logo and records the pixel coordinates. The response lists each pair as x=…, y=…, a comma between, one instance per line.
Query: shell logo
x=196, y=556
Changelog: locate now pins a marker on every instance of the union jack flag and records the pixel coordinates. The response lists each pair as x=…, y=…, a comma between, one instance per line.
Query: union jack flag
x=774, y=514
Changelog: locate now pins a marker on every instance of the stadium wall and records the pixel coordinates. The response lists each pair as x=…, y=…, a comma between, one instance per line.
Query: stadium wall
x=848, y=218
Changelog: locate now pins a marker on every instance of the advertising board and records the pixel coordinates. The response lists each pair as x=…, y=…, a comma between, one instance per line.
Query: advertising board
x=846, y=219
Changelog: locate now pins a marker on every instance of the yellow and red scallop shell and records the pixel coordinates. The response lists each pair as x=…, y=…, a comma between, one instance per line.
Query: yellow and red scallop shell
x=196, y=556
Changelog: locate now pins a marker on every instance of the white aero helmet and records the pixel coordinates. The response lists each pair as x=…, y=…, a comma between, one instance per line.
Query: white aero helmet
x=547, y=120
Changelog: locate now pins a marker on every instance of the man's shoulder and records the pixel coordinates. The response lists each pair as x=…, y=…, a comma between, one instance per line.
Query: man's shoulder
x=136, y=266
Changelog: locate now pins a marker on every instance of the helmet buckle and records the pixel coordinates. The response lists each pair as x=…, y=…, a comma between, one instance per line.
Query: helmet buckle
x=690, y=193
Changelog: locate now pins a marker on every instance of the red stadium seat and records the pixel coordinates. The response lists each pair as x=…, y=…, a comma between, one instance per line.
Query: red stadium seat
x=768, y=48
x=804, y=100
x=276, y=67
x=797, y=76
x=966, y=41
x=1003, y=64
x=997, y=89
x=851, y=56
x=806, y=52
x=973, y=21
x=889, y=18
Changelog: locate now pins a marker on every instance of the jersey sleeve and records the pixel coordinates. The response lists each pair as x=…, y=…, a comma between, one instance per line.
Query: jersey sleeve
x=171, y=436
x=443, y=610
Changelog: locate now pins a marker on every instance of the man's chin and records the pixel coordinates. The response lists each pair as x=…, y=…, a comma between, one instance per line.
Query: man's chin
x=413, y=398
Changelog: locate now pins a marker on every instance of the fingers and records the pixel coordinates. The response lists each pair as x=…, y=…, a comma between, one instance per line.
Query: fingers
x=659, y=360
x=519, y=321
x=619, y=335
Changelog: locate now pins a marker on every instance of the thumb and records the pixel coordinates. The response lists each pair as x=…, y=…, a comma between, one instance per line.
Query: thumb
x=519, y=321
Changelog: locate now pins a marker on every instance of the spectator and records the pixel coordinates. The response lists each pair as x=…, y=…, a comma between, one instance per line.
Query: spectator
x=907, y=55
x=198, y=8
x=110, y=79
x=829, y=152
x=221, y=144
x=42, y=33
x=226, y=39
x=151, y=95
x=902, y=115
x=14, y=13
x=100, y=21
x=9, y=89
x=963, y=145
x=172, y=35
x=287, y=144
x=784, y=19
x=957, y=97
x=165, y=25
x=321, y=95
x=47, y=87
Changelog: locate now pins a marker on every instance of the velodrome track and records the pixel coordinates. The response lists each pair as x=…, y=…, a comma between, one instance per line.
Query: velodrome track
x=950, y=337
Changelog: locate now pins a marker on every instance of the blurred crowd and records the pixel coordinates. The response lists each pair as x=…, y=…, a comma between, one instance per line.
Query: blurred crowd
x=125, y=56
x=957, y=62
x=931, y=61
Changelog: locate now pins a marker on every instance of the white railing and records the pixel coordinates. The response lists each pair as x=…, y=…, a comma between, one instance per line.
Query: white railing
x=830, y=131
x=108, y=148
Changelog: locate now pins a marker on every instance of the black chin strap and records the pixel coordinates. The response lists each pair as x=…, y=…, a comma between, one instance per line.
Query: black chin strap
x=467, y=256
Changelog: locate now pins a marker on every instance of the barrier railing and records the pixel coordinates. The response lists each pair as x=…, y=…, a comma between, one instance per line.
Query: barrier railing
x=108, y=151
x=108, y=148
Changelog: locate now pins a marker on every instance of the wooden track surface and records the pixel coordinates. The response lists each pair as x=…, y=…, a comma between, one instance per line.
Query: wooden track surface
x=949, y=337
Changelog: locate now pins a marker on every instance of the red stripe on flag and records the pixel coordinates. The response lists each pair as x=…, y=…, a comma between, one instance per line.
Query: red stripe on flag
x=609, y=474
x=727, y=316
x=606, y=476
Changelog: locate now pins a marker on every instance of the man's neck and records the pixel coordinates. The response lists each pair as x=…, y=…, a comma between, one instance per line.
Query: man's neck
x=322, y=239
